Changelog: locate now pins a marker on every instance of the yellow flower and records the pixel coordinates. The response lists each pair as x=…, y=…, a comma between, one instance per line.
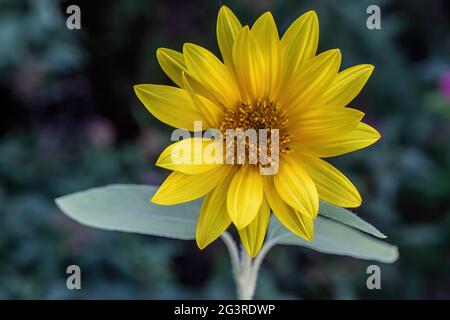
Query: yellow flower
x=264, y=82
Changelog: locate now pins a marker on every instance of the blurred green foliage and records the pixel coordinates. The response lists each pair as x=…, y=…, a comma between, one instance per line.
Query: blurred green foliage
x=70, y=121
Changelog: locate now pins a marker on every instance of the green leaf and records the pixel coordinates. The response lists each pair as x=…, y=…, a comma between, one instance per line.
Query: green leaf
x=336, y=238
x=128, y=208
x=349, y=218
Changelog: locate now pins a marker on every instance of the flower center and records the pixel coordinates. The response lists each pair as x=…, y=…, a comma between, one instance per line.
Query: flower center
x=256, y=115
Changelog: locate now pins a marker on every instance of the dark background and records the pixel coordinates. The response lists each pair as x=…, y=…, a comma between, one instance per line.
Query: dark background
x=70, y=121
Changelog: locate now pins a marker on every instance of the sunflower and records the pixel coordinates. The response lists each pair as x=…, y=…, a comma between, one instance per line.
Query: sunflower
x=263, y=82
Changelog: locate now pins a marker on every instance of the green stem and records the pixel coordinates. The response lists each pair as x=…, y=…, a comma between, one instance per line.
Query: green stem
x=262, y=254
x=246, y=279
x=245, y=269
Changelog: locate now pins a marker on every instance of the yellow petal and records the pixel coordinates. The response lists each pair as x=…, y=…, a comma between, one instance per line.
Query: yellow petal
x=299, y=43
x=296, y=187
x=362, y=136
x=227, y=28
x=324, y=123
x=200, y=89
x=213, y=219
x=347, y=85
x=172, y=62
x=251, y=72
x=245, y=196
x=171, y=105
x=266, y=35
x=331, y=184
x=180, y=187
x=252, y=236
x=212, y=74
x=186, y=156
x=299, y=224
x=307, y=85
x=209, y=110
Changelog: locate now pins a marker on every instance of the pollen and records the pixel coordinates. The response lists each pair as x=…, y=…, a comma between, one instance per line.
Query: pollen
x=256, y=115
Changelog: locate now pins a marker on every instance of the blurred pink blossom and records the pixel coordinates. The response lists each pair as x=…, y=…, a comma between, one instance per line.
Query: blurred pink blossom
x=101, y=132
x=444, y=85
